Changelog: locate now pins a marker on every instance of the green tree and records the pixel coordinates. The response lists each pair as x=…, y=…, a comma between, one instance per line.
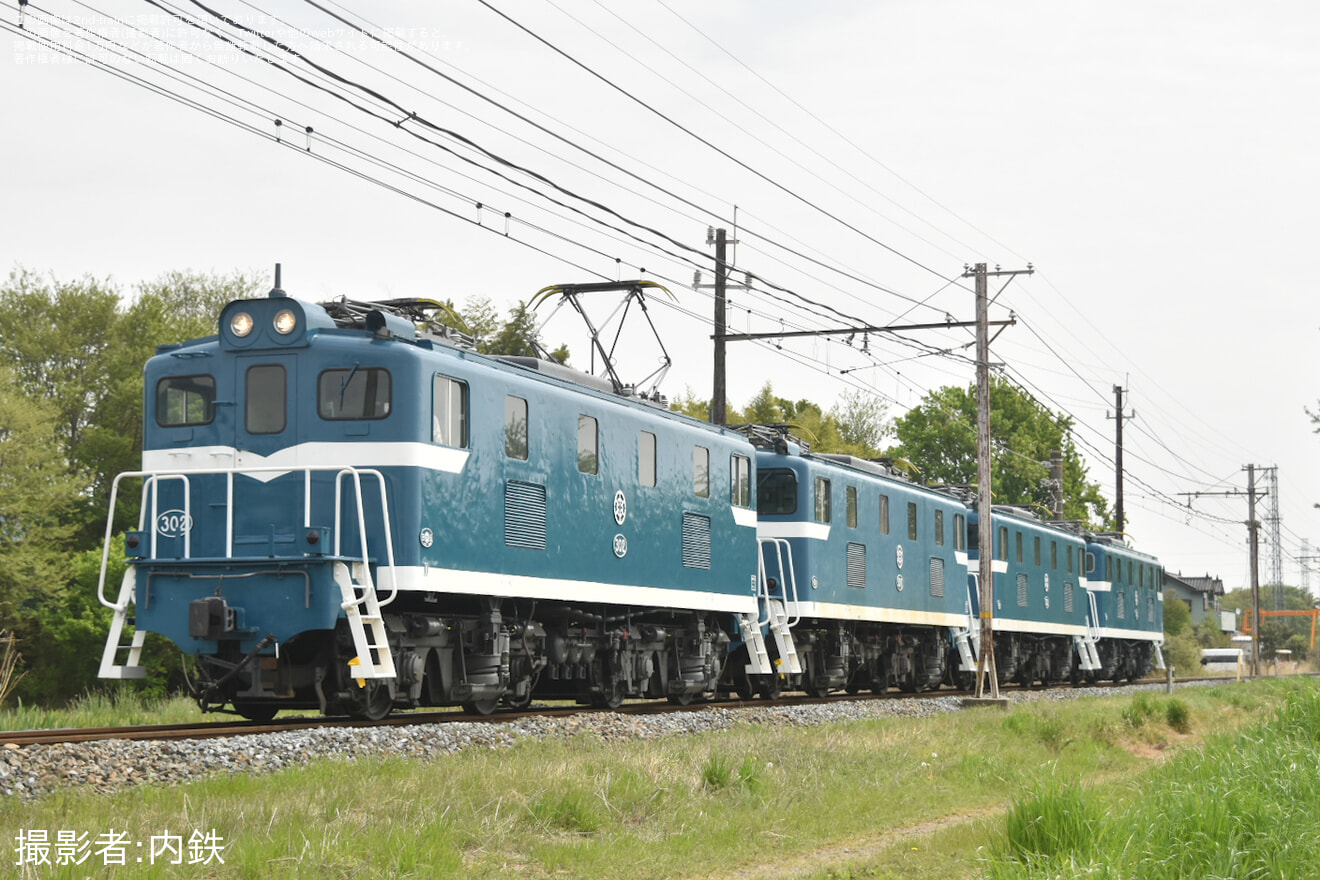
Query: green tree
x=1177, y=616
x=939, y=436
x=515, y=337
x=862, y=423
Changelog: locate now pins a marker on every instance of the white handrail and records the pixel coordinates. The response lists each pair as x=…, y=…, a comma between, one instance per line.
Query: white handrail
x=151, y=479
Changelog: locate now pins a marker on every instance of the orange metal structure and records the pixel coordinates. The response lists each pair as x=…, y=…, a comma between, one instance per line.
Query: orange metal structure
x=1309, y=612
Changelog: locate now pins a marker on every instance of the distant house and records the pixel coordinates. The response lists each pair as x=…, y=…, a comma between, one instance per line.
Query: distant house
x=1199, y=594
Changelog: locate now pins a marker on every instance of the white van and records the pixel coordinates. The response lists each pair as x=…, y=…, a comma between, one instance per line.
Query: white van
x=1230, y=660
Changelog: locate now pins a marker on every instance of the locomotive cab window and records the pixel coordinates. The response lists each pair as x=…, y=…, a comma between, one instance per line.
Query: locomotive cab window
x=646, y=458
x=701, y=471
x=776, y=492
x=515, y=428
x=588, y=448
x=740, y=478
x=884, y=514
x=185, y=400
x=822, y=500
x=1003, y=543
x=266, y=397
x=959, y=532
x=850, y=499
x=353, y=393
x=449, y=412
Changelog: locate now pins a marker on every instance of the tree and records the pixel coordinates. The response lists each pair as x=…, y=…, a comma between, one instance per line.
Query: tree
x=861, y=420
x=939, y=436
x=1177, y=616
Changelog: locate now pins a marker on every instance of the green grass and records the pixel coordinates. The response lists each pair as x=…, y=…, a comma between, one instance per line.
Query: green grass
x=878, y=799
x=114, y=708
x=1239, y=805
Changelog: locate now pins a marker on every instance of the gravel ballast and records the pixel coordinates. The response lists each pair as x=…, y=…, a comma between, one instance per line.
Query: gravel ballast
x=111, y=765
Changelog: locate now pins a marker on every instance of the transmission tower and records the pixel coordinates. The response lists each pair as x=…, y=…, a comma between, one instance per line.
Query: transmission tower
x=1272, y=525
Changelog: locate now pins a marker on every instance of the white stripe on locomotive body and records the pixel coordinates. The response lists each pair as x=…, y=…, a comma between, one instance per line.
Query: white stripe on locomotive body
x=776, y=529
x=374, y=455
x=744, y=516
x=998, y=566
x=430, y=579
x=836, y=611
x=1099, y=586
x=1140, y=635
x=1036, y=627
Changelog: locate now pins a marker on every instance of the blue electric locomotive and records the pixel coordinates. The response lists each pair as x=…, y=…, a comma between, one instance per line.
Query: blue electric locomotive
x=1127, y=586
x=345, y=510
x=872, y=568
x=343, y=513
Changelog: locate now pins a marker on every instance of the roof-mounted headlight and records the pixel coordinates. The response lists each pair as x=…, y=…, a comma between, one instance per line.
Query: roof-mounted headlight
x=285, y=322
x=241, y=324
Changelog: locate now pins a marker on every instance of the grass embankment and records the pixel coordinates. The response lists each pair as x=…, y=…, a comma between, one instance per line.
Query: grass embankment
x=888, y=798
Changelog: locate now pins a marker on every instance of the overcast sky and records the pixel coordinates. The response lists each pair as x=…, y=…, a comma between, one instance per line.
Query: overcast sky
x=1155, y=162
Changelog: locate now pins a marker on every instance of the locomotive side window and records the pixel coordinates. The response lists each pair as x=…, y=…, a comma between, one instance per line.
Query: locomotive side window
x=741, y=481
x=701, y=471
x=1003, y=543
x=646, y=458
x=1054, y=554
x=449, y=412
x=776, y=492
x=939, y=528
x=588, y=445
x=1070, y=554
x=822, y=500
x=850, y=499
x=354, y=393
x=959, y=532
x=884, y=514
x=185, y=400
x=515, y=428
x=912, y=520
x=265, y=411
x=1017, y=540
x=1037, y=550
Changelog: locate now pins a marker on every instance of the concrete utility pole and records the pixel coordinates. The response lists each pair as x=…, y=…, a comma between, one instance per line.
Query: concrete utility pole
x=1119, y=521
x=985, y=663
x=718, y=413
x=1254, y=528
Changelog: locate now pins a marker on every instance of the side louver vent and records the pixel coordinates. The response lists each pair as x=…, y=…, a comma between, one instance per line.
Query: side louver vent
x=856, y=565
x=937, y=576
x=524, y=515
x=696, y=541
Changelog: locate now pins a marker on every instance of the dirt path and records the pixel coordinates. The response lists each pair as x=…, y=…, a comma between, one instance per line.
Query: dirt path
x=858, y=849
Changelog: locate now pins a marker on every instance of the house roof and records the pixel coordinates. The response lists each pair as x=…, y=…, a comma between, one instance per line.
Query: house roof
x=1206, y=584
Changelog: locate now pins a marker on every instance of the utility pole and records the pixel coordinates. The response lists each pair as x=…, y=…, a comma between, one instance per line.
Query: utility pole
x=1118, y=417
x=1254, y=527
x=985, y=663
x=718, y=414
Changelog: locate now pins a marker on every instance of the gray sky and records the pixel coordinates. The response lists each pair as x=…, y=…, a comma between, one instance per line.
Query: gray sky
x=1154, y=161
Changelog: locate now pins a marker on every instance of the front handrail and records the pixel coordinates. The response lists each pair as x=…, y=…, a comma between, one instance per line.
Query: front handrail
x=152, y=478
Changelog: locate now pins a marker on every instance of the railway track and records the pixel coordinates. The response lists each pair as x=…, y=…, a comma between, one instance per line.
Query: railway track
x=220, y=729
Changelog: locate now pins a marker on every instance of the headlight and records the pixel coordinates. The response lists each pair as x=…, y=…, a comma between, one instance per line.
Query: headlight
x=241, y=324
x=285, y=321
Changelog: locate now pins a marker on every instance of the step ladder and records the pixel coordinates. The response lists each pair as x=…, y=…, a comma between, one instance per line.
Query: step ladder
x=362, y=609
x=779, y=628
x=759, y=659
x=133, y=669
x=1088, y=656
x=1159, y=655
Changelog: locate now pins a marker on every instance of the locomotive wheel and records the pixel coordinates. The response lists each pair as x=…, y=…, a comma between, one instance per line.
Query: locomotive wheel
x=255, y=711
x=610, y=696
x=810, y=680
x=374, y=704
x=481, y=707
x=742, y=683
x=771, y=687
